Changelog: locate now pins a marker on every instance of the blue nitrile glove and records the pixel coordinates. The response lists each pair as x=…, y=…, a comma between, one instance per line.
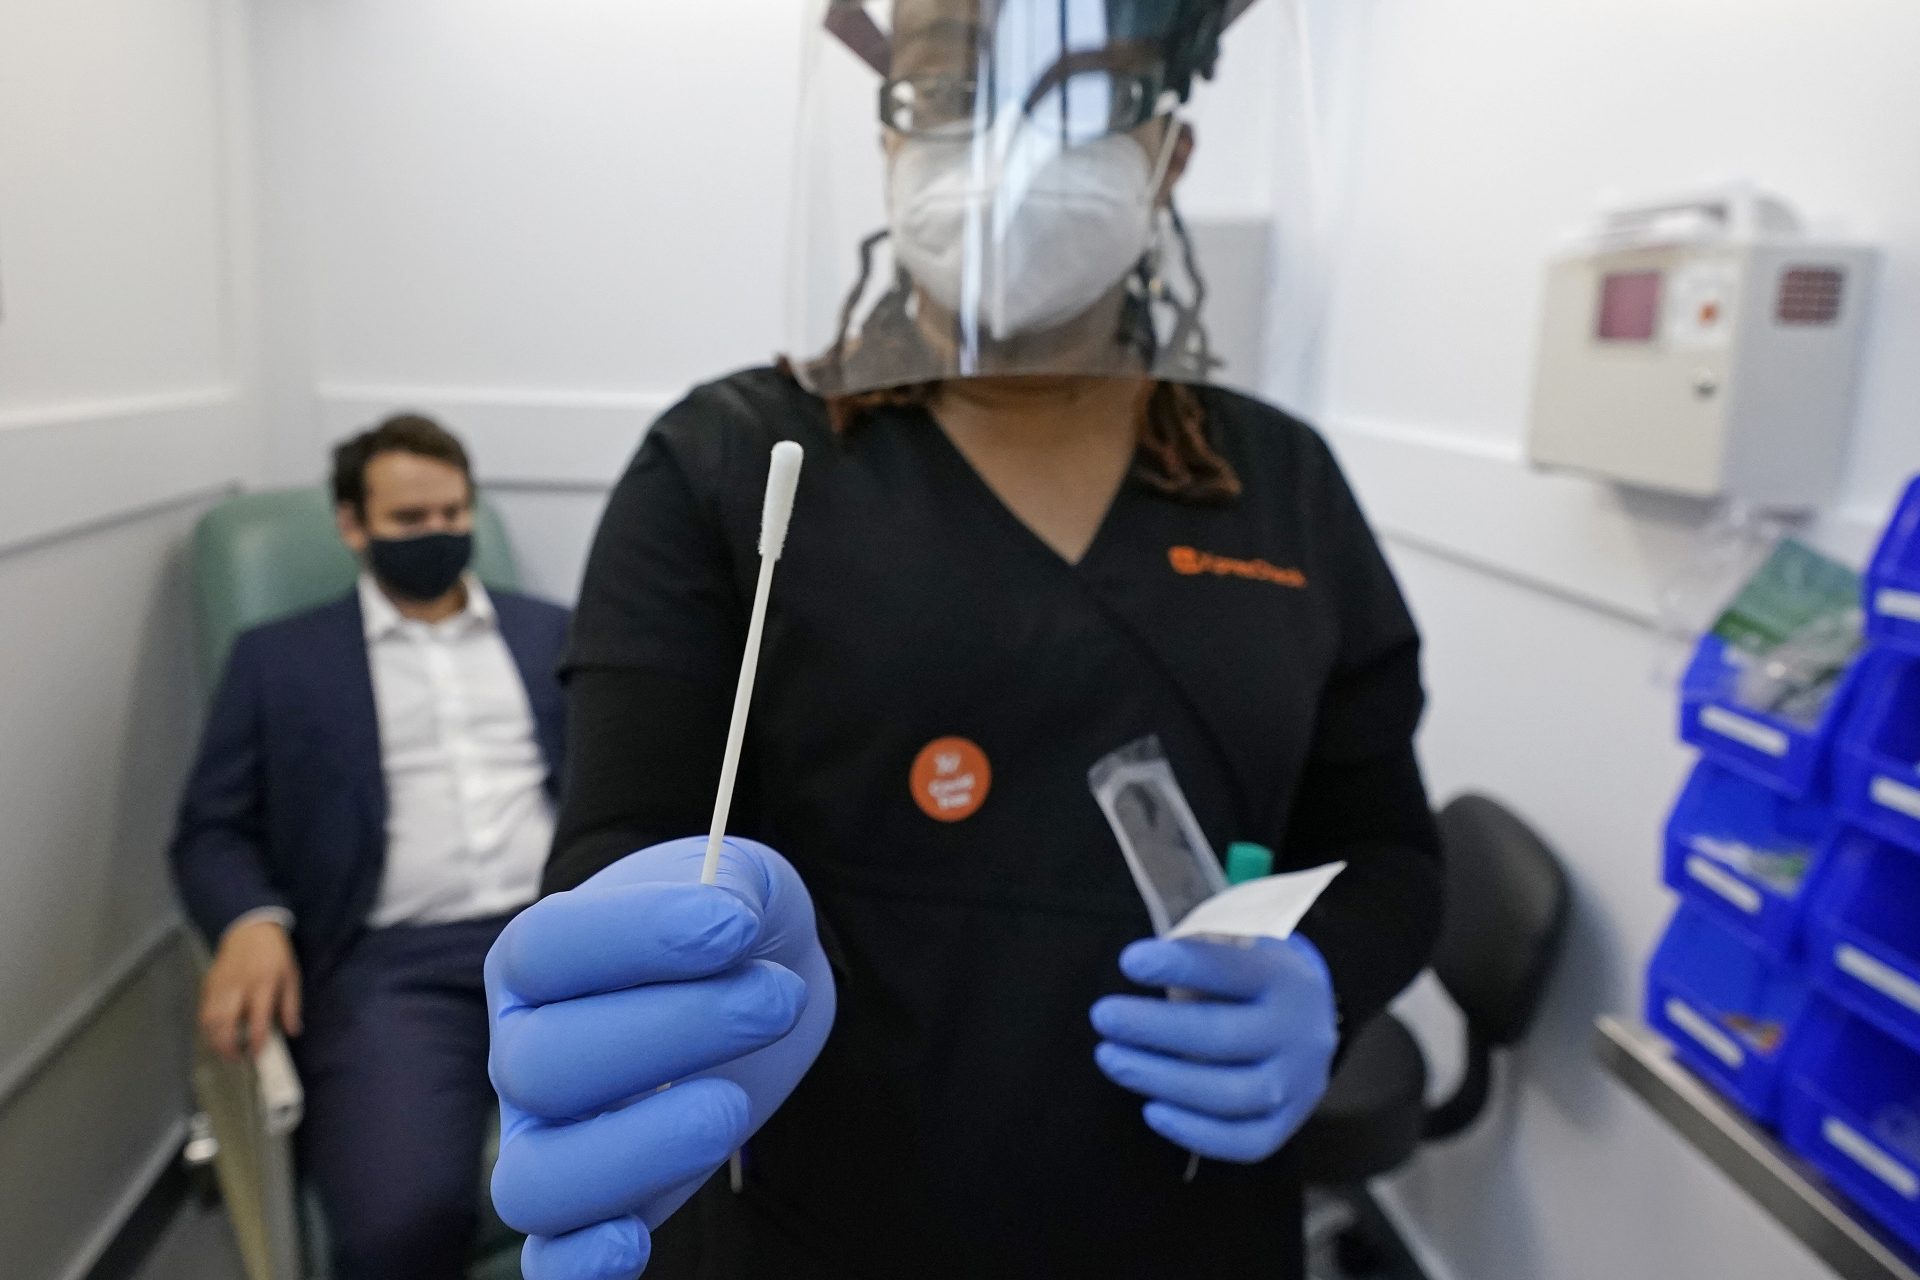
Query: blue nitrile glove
x=639, y=978
x=1234, y=1071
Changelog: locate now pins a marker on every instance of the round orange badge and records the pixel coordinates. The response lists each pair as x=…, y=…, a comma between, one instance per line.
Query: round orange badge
x=950, y=779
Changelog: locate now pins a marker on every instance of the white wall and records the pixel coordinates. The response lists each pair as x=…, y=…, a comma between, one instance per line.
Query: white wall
x=1483, y=129
x=545, y=222
x=124, y=408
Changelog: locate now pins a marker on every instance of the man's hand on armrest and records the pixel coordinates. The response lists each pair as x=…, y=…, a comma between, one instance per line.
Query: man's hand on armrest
x=253, y=982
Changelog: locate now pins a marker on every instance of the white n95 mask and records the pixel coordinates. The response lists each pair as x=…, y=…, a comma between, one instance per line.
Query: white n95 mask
x=1028, y=244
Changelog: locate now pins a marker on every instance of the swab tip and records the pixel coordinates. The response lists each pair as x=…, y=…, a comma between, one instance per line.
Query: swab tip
x=783, y=478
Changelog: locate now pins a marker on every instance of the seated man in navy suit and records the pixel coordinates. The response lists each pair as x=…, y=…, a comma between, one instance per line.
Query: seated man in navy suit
x=372, y=801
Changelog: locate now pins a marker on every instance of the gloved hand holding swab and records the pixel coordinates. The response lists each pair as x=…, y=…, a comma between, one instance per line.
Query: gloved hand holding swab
x=723, y=1000
x=776, y=513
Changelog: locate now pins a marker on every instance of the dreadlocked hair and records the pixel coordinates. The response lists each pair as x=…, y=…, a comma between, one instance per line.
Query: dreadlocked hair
x=1174, y=455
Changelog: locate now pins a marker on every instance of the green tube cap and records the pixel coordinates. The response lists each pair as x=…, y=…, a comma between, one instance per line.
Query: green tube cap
x=1247, y=861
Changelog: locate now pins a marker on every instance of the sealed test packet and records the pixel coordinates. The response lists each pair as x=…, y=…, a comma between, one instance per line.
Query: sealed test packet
x=1175, y=868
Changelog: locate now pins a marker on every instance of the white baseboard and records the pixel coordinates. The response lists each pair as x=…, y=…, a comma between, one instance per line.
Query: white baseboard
x=519, y=438
x=68, y=466
x=85, y=1009
x=1430, y=1263
x=149, y=1172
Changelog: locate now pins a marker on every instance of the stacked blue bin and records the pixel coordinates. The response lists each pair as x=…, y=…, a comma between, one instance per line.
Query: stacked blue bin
x=1747, y=843
x=1790, y=976
x=1852, y=1099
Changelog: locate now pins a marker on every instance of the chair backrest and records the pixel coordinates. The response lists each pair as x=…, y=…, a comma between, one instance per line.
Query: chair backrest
x=262, y=556
x=1506, y=914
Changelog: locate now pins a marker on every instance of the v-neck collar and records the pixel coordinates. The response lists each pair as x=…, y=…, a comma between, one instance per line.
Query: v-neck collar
x=969, y=479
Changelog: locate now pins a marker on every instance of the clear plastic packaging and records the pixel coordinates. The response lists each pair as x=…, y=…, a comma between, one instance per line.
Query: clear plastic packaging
x=1797, y=678
x=1173, y=865
x=1721, y=558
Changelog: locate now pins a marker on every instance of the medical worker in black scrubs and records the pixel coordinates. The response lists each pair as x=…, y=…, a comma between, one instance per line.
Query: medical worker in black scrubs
x=1027, y=534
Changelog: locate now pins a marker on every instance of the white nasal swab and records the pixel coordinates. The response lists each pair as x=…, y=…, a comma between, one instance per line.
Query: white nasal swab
x=783, y=477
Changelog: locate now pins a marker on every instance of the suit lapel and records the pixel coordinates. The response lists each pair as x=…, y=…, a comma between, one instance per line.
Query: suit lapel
x=346, y=676
x=535, y=662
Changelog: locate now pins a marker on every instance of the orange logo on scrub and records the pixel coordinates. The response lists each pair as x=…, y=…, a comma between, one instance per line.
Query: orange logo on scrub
x=1191, y=563
x=950, y=779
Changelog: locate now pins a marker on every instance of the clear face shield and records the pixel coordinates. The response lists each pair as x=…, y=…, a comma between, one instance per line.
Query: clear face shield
x=988, y=191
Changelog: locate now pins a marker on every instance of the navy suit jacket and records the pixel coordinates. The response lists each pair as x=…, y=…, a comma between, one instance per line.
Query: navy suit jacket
x=287, y=804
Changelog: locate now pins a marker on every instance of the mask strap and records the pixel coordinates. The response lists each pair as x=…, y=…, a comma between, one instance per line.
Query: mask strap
x=854, y=27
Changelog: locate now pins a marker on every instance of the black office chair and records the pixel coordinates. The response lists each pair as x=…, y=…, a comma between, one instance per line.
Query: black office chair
x=1507, y=900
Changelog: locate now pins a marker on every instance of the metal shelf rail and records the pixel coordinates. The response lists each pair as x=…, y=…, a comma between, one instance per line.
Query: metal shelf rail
x=1753, y=1158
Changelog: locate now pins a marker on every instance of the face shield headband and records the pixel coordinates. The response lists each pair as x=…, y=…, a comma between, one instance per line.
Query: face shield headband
x=1189, y=30
x=1021, y=184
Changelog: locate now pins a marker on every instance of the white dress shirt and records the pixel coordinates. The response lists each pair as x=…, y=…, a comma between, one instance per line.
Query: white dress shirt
x=468, y=818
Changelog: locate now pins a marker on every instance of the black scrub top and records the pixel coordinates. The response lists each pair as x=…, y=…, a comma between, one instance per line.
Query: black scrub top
x=935, y=684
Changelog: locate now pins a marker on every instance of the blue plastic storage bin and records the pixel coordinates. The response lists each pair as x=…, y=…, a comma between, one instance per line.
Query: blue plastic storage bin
x=1893, y=582
x=1746, y=852
x=1864, y=932
x=1731, y=1007
x=1852, y=1107
x=1879, y=751
x=1790, y=757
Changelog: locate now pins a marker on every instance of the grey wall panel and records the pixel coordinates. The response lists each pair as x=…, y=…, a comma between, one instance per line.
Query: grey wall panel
x=82, y=1139
x=126, y=406
x=99, y=714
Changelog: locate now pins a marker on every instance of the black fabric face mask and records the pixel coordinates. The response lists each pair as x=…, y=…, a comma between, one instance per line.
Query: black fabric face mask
x=423, y=568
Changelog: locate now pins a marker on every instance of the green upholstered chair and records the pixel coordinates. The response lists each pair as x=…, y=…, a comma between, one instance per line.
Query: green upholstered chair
x=262, y=556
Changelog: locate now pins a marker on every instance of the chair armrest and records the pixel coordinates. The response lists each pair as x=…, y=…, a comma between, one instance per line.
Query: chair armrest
x=282, y=1100
x=253, y=1107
